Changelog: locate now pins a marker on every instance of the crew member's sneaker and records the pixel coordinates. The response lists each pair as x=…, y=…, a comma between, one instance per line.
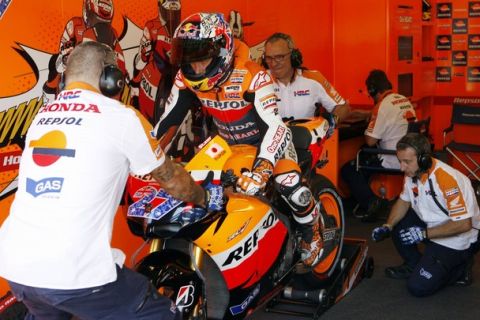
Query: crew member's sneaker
x=403, y=271
x=311, y=244
x=467, y=277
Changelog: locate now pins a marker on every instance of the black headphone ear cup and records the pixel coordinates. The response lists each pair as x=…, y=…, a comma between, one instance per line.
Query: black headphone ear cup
x=111, y=81
x=424, y=162
x=372, y=91
x=296, y=58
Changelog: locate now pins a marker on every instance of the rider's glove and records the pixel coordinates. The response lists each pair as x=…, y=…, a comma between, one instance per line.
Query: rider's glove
x=380, y=233
x=332, y=122
x=250, y=183
x=214, y=199
x=253, y=182
x=412, y=235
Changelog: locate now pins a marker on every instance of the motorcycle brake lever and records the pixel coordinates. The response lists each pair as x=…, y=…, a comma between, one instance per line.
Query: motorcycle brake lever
x=228, y=178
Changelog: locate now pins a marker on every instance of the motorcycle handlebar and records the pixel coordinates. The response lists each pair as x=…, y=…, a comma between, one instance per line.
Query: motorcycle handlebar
x=228, y=178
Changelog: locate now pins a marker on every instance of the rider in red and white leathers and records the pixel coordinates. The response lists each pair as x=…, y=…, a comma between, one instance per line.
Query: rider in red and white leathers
x=238, y=95
x=95, y=24
x=153, y=72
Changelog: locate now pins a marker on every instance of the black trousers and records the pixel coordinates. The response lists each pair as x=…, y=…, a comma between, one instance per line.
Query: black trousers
x=359, y=184
x=130, y=297
x=436, y=268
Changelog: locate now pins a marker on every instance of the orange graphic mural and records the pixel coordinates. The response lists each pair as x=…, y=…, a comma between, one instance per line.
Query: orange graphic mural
x=30, y=40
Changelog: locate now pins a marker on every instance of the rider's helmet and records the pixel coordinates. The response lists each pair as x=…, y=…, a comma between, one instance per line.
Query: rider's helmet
x=199, y=37
x=169, y=13
x=95, y=11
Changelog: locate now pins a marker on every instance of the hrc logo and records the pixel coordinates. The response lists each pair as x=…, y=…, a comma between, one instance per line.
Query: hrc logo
x=65, y=95
x=301, y=93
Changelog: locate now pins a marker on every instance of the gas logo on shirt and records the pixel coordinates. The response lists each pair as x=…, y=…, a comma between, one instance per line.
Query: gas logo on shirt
x=47, y=185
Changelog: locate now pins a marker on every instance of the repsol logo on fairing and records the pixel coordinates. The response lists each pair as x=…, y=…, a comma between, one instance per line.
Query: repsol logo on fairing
x=244, y=249
x=225, y=105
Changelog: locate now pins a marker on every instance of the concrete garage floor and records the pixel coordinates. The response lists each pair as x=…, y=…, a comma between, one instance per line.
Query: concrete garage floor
x=382, y=298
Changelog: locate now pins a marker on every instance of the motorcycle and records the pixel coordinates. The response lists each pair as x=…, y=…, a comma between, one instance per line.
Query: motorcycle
x=226, y=264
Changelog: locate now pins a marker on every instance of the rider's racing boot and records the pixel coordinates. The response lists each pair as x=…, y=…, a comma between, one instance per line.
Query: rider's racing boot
x=311, y=245
x=306, y=212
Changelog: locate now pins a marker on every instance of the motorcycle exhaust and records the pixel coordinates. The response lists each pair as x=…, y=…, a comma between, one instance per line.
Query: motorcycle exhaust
x=315, y=296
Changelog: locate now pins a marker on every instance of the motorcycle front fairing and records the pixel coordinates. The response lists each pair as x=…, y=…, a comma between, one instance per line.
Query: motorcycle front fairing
x=247, y=246
x=244, y=245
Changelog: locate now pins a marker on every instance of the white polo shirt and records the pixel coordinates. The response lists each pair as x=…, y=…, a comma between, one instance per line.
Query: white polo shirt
x=78, y=152
x=389, y=123
x=454, y=193
x=298, y=98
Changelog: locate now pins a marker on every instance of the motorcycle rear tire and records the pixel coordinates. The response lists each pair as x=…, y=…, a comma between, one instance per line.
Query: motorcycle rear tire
x=333, y=215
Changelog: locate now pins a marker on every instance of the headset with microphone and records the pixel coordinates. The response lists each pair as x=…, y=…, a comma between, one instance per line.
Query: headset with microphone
x=421, y=145
x=111, y=81
x=377, y=82
x=296, y=58
x=372, y=90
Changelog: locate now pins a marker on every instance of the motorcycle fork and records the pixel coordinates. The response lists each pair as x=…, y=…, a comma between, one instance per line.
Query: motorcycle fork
x=195, y=252
x=196, y=255
x=156, y=245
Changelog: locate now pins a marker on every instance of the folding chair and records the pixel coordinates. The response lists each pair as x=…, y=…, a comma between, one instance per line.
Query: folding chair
x=386, y=182
x=462, y=134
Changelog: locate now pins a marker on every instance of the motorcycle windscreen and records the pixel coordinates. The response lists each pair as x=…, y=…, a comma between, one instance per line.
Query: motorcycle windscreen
x=246, y=242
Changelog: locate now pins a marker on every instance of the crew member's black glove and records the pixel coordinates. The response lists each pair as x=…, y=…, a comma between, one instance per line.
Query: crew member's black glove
x=381, y=233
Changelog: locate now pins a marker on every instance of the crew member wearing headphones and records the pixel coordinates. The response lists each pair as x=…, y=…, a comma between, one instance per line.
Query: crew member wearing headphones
x=300, y=92
x=444, y=217
x=388, y=123
x=55, y=244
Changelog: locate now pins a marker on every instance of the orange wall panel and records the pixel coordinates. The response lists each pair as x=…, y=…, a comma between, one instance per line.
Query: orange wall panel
x=366, y=37
x=359, y=45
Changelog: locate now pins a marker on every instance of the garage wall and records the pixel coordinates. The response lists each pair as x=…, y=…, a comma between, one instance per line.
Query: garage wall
x=30, y=33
